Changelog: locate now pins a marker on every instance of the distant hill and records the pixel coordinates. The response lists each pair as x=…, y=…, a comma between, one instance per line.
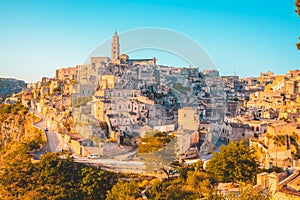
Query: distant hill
x=9, y=86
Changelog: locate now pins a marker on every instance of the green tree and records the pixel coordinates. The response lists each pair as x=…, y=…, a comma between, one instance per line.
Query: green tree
x=200, y=182
x=95, y=183
x=234, y=163
x=58, y=178
x=124, y=191
x=198, y=166
x=154, y=142
x=15, y=171
x=170, y=189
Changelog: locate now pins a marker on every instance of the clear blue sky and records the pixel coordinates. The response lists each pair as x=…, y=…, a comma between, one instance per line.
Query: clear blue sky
x=37, y=37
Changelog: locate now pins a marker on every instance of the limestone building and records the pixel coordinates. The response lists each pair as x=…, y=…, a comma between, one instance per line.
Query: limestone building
x=115, y=50
x=66, y=73
x=188, y=119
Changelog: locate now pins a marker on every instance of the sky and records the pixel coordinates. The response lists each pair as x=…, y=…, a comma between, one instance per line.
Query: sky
x=249, y=37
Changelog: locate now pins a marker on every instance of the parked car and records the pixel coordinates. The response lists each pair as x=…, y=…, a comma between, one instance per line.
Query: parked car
x=93, y=156
x=46, y=129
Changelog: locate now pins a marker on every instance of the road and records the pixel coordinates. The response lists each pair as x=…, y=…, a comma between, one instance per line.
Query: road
x=54, y=140
x=112, y=164
x=126, y=155
x=55, y=143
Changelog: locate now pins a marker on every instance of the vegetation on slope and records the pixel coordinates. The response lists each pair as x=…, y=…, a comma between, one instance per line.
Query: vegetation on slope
x=17, y=126
x=52, y=177
x=9, y=86
x=154, y=141
x=234, y=163
x=192, y=183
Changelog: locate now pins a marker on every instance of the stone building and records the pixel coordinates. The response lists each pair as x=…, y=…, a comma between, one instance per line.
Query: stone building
x=188, y=119
x=283, y=186
x=115, y=50
x=66, y=73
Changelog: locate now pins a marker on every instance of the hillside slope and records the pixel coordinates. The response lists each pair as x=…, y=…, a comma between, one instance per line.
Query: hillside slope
x=9, y=86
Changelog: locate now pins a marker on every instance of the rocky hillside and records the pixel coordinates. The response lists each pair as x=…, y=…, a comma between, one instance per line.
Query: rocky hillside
x=8, y=86
x=16, y=126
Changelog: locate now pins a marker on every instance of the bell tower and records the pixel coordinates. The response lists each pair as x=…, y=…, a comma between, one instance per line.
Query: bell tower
x=115, y=47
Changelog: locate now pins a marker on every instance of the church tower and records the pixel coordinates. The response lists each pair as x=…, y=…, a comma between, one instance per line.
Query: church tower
x=115, y=47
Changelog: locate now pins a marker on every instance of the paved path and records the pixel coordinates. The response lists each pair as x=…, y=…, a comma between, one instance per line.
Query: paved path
x=54, y=140
x=126, y=155
x=112, y=164
x=55, y=143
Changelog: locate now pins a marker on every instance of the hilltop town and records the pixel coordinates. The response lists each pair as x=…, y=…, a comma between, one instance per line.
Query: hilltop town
x=108, y=106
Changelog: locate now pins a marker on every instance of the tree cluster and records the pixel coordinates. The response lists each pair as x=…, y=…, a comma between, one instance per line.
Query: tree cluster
x=155, y=142
x=51, y=178
x=234, y=163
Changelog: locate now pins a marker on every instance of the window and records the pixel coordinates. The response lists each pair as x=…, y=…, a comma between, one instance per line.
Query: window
x=128, y=106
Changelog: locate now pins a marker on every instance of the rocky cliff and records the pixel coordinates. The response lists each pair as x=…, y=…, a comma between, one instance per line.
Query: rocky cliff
x=16, y=126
